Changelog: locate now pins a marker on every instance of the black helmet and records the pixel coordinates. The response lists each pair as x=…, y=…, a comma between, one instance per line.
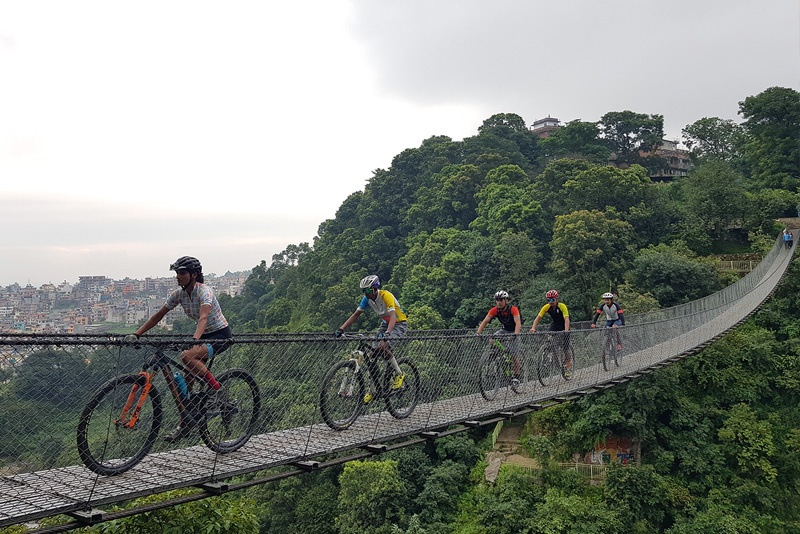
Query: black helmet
x=188, y=263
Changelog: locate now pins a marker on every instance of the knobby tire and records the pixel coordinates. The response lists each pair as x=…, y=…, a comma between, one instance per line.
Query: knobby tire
x=341, y=396
x=108, y=448
x=401, y=402
x=489, y=375
x=230, y=420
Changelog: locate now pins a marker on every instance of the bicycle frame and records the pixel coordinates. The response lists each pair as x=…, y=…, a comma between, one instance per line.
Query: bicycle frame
x=365, y=350
x=158, y=362
x=505, y=354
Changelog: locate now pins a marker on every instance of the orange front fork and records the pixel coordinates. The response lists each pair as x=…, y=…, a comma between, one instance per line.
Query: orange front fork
x=134, y=417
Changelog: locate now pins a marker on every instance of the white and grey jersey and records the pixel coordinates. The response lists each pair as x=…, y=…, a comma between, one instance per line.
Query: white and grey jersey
x=612, y=312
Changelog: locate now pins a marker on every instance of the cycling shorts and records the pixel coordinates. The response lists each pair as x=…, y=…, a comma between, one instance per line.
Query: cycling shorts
x=613, y=322
x=221, y=340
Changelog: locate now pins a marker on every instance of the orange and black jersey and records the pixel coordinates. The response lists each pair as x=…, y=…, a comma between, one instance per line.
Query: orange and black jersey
x=506, y=317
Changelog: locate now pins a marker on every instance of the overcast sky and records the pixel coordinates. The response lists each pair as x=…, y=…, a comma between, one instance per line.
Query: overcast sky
x=134, y=133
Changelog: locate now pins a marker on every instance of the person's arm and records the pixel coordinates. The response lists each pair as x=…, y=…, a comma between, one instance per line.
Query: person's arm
x=594, y=319
x=205, y=309
x=621, y=317
x=152, y=321
x=484, y=323
x=392, y=321
x=535, y=323
x=350, y=320
x=566, y=323
x=517, y=324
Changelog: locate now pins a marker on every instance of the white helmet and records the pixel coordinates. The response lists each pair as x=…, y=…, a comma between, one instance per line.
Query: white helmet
x=608, y=295
x=370, y=282
x=501, y=295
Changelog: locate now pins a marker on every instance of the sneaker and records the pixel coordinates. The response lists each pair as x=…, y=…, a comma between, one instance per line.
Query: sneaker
x=179, y=433
x=367, y=398
x=398, y=381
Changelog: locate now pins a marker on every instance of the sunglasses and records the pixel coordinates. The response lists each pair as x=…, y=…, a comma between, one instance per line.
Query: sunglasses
x=551, y=300
x=367, y=290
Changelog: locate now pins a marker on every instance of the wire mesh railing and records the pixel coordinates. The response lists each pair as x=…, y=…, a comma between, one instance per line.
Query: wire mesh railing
x=47, y=381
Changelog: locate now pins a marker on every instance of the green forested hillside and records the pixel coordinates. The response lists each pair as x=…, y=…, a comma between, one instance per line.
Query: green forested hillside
x=451, y=222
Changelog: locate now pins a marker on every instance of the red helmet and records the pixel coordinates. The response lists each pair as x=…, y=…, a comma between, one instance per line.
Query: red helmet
x=552, y=294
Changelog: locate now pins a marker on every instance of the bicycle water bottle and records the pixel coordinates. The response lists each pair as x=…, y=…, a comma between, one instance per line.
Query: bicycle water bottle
x=180, y=382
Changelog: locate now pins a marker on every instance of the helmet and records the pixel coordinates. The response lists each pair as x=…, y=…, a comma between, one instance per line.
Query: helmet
x=552, y=294
x=370, y=282
x=608, y=296
x=501, y=295
x=187, y=262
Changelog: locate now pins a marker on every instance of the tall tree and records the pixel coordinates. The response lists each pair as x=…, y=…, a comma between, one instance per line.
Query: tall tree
x=576, y=140
x=628, y=133
x=712, y=138
x=590, y=250
x=772, y=118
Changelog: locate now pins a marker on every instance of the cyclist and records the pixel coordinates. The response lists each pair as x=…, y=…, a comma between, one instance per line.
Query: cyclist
x=200, y=304
x=614, y=315
x=510, y=318
x=560, y=315
x=394, y=323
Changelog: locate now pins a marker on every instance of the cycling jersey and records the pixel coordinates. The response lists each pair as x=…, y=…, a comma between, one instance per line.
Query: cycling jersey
x=558, y=314
x=613, y=313
x=191, y=303
x=506, y=317
x=383, y=305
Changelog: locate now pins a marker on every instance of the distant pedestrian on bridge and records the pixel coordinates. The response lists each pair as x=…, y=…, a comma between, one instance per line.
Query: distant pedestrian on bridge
x=787, y=238
x=200, y=304
x=394, y=324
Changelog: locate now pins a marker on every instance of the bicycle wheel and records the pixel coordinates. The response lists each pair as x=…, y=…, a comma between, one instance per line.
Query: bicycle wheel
x=523, y=382
x=342, y=395
x=545, y=366
x=109, y=445
x=489, y=375
x=231, y=415
x=401, y=402
x=605, y=354
x=562, y=358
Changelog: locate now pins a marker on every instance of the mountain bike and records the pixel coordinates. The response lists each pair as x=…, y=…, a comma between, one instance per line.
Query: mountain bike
x=553, y=358
x=611, y=352
x=497, y=371
x=345, y=385
x=120, y=423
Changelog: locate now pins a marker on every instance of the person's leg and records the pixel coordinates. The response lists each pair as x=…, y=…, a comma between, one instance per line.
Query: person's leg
x=195, y=361
x=398, y=332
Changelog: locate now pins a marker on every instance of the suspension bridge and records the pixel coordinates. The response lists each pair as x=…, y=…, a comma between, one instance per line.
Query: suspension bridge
x=45, y=381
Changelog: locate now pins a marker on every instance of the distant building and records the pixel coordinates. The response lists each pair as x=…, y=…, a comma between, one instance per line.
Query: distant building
x=543, y=127
x=678, y=161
